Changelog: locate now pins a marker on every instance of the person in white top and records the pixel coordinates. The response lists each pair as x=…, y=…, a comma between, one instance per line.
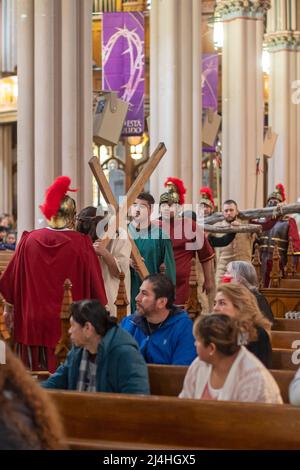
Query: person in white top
x=224, y=368
x=294, y=389
x=113, y=259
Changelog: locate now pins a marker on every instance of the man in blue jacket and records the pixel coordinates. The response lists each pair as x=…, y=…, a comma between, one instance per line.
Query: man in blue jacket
x=105, y=358
x=163, y=331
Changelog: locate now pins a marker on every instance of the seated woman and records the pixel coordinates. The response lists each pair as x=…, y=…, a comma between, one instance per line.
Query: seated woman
x=105, y=358
x=113, y=259
x=245, y=274
x=224, y=369
x=28, y=418
x=237, y=301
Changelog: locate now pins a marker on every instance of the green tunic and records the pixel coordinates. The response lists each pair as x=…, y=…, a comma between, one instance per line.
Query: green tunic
x=156, y=249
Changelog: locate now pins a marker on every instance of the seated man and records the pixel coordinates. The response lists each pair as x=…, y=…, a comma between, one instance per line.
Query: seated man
x=104, y=358
x=163, y=331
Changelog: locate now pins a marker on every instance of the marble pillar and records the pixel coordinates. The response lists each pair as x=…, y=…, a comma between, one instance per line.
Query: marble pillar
x=55, y=102
x=242, y=100
x=175, y=93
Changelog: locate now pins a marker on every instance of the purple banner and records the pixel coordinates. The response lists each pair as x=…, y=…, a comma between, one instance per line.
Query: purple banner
x=210, y=81
x=123, y=61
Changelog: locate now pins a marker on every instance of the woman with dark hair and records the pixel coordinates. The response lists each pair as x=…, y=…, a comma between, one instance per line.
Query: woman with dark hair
x=28, y=418
x=113, y=259
x=105, y=358
x=224, y=368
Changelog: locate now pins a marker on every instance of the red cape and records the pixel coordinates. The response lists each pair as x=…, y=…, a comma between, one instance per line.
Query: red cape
x=33, y=282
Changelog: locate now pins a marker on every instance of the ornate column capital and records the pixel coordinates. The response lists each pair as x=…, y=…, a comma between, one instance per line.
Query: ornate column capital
x=279, y=40
x=229, y=9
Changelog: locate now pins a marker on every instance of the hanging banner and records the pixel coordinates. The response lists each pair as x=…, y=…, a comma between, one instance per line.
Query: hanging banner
x=123, y=64
x=210, y=81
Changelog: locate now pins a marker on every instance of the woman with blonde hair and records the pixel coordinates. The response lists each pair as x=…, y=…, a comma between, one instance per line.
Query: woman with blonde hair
x=28, y=418
x=224, y=369
x=237, y=301
x=244, y=273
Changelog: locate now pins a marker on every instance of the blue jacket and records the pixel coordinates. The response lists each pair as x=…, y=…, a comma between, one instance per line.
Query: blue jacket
x=120, y=366
x=171, y=343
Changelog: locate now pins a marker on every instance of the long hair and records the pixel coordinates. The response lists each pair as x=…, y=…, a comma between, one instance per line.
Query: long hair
x=245, y=302
x=46, y=427
x=87, y=221
x=221, y=330
x=244, y=273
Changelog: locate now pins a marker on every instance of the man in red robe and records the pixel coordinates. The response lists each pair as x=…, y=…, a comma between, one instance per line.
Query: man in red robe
x=33, y=281
x=187, y=240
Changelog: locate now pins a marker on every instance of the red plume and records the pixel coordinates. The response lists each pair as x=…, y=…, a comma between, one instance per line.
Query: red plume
x=54, y=195
x=281, y=189
x=180, y=187
x=208, y=192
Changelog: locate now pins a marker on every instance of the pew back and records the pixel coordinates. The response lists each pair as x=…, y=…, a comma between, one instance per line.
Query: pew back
x=284, y=339
x=114, y=421
x=283, y=324
x=168, y=380
x=5, y=257
x=282, y=300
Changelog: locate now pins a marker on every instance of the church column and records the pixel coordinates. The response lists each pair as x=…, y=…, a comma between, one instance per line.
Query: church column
x=175, y=92
x=46, y=112
x=6, y=168
x=8, y=35
x=77, y=95
x=55, y=101
x=283, y=43
x=242, y=99
x=25, y=159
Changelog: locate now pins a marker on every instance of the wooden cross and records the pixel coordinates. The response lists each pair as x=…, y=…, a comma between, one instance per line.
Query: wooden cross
x=134, y=191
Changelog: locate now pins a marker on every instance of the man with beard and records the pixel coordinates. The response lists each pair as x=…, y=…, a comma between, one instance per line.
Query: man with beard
x=188, y=240
x=284, y=229
x=163, y=331
x=154, y=246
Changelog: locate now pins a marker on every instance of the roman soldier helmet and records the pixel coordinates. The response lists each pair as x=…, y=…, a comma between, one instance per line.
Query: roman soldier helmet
x=206, y=197
x=58, y=208
x=278, y=194
x=175, y=192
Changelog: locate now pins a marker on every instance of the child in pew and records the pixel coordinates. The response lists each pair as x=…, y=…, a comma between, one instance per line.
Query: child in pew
x=105, y=358
x=224, y=368
x=28, y=418
x=237, y=301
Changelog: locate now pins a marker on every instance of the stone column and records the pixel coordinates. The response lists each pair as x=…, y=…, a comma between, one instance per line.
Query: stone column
x=25, y=158
x=55, y=103
x=6, y=168
x=8, y=35
x=77, y=96
x=175, y=92
x=242, y=99
x=283, y=43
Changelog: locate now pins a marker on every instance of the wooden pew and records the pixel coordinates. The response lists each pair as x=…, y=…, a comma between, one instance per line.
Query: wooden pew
x=284, y=339
x=282, y=300
x=168, y=380
x=282, y=359
x=5, y=257
x=114, y=421
x=283, y=324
